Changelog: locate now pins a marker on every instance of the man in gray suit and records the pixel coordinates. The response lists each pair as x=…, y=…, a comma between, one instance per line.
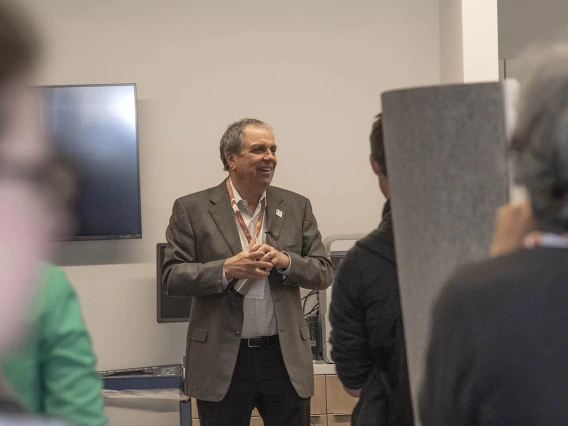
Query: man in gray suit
x=251, y=350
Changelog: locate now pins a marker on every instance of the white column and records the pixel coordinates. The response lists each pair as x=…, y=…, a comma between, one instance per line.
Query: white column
x=469, y=42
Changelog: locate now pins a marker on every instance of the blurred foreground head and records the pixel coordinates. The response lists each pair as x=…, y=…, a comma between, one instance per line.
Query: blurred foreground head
x=27, y=217
x=541, y=137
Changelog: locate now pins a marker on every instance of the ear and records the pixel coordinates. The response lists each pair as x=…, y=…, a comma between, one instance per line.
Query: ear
x=230, y=160
x=374, y=165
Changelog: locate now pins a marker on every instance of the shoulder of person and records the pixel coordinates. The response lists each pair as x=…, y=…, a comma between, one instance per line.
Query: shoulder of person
x=378, y=244
x=286, y=194
x=53, y=285
x=485, y=282
x=472, y=275
x=54, y=291
x=199, y=197
x=54, y=280
x=363, y=262
x=349, y=267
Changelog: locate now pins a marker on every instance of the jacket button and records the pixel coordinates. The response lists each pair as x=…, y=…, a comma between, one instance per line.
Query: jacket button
x=237, y=333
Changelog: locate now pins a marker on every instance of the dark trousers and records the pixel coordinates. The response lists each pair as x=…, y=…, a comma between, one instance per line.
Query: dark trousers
x=260, y=380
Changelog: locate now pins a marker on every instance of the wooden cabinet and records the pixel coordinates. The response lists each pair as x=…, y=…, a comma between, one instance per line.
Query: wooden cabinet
x=338, y=401
x=339, y=420
x=319, y=420
x=318, y=403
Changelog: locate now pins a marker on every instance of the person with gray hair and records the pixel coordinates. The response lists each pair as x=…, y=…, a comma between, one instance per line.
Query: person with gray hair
x=243, y=249
x=498, y=346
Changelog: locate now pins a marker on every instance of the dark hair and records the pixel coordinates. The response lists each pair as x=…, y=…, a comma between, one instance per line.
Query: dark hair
x=232, y=139
x=378, y=143
x=18, y=43
x=18, y=51
x=540, y=140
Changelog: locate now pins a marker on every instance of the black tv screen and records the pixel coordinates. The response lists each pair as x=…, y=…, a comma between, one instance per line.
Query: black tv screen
x=95, y=126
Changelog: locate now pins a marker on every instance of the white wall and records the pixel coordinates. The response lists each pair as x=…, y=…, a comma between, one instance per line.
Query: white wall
x=313, y=69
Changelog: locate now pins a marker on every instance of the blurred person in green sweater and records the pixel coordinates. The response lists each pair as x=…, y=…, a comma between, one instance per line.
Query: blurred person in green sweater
x=32, y=195
x=53, y=370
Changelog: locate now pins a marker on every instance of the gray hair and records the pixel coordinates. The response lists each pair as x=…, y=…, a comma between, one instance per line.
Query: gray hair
x=232, y=139
x=540, y=139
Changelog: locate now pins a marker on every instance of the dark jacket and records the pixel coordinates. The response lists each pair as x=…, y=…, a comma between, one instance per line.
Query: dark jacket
x=367, y=334
x=499, y=348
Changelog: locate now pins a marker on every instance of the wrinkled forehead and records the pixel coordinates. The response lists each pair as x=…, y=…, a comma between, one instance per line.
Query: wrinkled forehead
x=257, y=135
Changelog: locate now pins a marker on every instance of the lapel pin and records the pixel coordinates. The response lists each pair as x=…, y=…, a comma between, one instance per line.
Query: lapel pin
x=279, y=213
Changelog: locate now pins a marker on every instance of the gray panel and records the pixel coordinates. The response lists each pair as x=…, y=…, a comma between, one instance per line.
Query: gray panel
x=446, y=159
x=524, y=22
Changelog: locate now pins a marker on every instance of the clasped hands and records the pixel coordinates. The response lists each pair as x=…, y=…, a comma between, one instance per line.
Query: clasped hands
x=255, y=262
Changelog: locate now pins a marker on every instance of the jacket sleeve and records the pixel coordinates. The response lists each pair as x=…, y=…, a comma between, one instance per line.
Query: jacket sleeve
x=71, y=385
x=351, y=351
x=312, y=269
x=446, y=397
x=182, y=274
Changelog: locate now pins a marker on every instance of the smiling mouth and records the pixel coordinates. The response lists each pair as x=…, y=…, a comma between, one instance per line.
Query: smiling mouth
x=265, y=169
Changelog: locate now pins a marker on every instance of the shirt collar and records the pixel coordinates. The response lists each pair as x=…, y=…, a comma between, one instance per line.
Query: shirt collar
x=240, y=200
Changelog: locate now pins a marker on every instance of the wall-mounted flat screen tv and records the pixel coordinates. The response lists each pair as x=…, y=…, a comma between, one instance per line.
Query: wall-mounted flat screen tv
x=95, y=126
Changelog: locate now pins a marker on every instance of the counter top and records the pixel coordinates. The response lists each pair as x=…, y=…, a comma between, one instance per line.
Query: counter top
x=322, y=367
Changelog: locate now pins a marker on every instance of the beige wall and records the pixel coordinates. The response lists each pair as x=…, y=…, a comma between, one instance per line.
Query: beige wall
x=524, y=22
x=314, y=69
x=451, y=41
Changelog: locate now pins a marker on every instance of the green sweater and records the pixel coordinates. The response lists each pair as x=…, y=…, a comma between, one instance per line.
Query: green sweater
x=53, y=373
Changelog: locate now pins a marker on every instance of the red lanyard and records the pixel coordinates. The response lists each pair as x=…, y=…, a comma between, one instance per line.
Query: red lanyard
x=240, y=216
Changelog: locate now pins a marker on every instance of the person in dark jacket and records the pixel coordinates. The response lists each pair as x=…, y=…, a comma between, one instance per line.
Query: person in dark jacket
x=367, y=333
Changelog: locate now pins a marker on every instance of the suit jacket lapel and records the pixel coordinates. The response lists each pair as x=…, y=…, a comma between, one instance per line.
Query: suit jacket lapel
x=273, y=222
x=224, y=217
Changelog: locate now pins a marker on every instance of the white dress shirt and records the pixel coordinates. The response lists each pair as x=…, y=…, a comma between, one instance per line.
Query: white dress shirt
x=258, y=308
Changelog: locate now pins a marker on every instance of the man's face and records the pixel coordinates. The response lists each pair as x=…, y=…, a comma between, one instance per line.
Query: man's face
x=256, y=162
x=27, y=221
x=383, y=179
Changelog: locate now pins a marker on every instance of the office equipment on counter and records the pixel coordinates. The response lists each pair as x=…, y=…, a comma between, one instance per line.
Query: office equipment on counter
x=315, y=336
x=154, y=377
x=169, y=309
x=152, y=382
x=325, y=296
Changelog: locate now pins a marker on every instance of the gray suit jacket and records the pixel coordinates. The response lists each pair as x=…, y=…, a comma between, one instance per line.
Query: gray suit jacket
x=201, y=235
